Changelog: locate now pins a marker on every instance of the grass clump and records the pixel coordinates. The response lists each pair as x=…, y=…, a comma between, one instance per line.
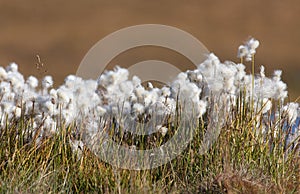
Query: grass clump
x=245, y=140
x=244, y=159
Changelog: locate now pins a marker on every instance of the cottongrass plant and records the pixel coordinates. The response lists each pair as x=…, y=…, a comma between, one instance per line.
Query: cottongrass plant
x=43, y=131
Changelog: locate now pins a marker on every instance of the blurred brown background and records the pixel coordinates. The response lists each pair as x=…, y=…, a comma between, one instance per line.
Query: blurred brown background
x=62, y=32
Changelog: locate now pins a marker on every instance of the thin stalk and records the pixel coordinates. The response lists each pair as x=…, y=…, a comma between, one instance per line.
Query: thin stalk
x=252, y=95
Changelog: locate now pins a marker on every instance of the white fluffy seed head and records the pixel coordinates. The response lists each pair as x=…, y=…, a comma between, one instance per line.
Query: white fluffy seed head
x=292, y=111
x=149, y=85
x=242, y=51
x=13, y=67
x=3, y=73
x=17, y=112
x=267, y=105
x=63, y=96
x=47, y=82
x=262, y=72
x=138, y=108
x=277, y=75
x=166, y=92
x=162, y=130
x=248, y=49
x=32, y=81
x=253, y=44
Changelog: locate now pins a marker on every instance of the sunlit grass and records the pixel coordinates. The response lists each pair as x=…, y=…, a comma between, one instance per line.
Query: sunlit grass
x=242, y=160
